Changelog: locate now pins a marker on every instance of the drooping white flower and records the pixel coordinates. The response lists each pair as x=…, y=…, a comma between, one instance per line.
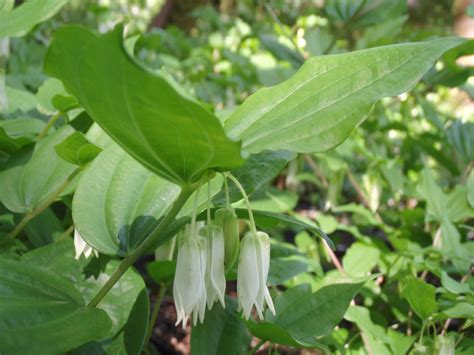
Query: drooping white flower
x=82, y=247
x=254, y=264
x=215, y=274
x=189, y=289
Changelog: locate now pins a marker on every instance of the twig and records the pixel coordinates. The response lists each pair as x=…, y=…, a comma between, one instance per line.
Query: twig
x=256, y=347
x=66, y=233
x=362, y=197
x=317, y=171
x=154, y=313
x=50, y=124
x=334, y=259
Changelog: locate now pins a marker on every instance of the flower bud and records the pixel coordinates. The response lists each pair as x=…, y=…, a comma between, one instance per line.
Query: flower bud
x=227, y=219
x=215, y=276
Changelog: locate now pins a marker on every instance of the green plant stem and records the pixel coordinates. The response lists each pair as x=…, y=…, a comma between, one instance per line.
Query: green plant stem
x=32, y=214
x=154, y=313
x=247, y=202
x=256, y=347
x=186, y=192
x=66, y=233
x=50, y=124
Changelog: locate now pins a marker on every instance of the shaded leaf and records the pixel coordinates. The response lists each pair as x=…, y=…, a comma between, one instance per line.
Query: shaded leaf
x=45, y=309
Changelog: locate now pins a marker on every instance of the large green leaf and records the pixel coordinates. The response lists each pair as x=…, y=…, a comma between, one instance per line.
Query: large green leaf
x=34, y=173
x=42, y=313
x=318, y=107
x=223, y=332
x=125, y=305
x=23, y=18
x=144, y=111
x=302, y=315
x=118, y=202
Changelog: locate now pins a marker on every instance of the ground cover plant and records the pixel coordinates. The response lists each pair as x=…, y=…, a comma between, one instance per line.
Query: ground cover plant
x=231, y=177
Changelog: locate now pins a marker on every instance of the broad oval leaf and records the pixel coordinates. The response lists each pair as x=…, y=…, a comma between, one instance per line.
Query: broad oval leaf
x=119, y=202
x=23, y=18
x=142, y=110
x=43, y=313
x=318, y=107
x=34, y=173
x=125, y=305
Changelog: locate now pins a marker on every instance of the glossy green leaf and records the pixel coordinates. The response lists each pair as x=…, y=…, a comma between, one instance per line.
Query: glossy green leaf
x=118, y=202
x=44, y=228
x=223, y=332
x=33, y=174
x=143, y=111
x=460, y=310
x=421, y=296
x=77, y=150
x=42, y=313
x=318, y=107
x=23, y=18
x=124, y=304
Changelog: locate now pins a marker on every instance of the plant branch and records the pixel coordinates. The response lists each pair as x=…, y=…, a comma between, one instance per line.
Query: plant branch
x=256, y=347
x=317, y=171
x=362, y=197
x=50, y=124
x=154, y=314
x=186, y=192
x=32, y=214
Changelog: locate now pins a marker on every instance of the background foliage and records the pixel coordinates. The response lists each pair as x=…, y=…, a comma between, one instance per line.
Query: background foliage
x=396, y=198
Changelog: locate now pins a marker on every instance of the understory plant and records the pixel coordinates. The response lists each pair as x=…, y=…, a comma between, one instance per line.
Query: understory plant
x=155, y=188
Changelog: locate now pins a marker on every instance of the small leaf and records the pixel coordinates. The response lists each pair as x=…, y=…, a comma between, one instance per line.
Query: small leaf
x=23, y=18
x=77, y=150
x=421, y=296
x=142, y=110
x=460, y=310
x=45, y=309
x=318, y=107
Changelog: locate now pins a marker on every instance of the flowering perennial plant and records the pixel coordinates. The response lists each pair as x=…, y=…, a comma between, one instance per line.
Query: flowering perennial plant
x=206, y=252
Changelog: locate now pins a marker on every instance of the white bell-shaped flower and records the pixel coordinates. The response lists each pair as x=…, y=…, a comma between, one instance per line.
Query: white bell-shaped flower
x=254, y=264
x=215, y=275
x=189, y=289
x=82, y=247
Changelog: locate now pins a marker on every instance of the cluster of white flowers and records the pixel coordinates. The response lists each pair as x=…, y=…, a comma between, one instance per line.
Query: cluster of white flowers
x=204, y=254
